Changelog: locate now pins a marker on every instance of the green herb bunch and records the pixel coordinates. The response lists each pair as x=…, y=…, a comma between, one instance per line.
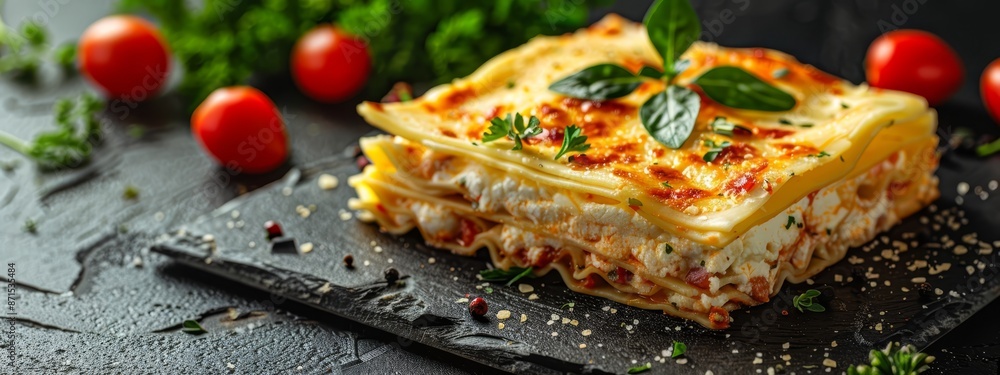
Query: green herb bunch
x=71, y=144
x=894, y=360
x=669, y=116
x=225, y=42
x=23, y=51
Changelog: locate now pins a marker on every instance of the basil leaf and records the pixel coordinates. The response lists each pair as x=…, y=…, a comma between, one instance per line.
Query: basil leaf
x=648, y=71
x=737, y=88
x=672, y=26
x=670, y=115
x=599, y=82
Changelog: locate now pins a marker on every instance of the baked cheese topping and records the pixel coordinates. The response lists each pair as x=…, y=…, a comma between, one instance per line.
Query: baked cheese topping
x=787, y=156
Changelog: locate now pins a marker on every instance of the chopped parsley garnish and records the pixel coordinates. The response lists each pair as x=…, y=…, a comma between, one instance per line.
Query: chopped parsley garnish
x=791, y=221
x=821, y=154
x=894, y=360
x=844, y=105
x=511, y=275
x=784, y=121
x=723, y=127
x=573, y=141
x=634, y=202
x=666, y=184
x=568, y=305
x=988, y=148
x=640, y=369
x=679, y=349
x=512, y=127
x=714, y=149
x=805, y=301
x=30, y=226
x=489, y=290
x=131, y=192
x=192, y=327
x=667, y=248
x=842, y=158
x=779, y=73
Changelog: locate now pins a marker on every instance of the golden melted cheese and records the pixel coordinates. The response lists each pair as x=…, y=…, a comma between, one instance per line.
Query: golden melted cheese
x=760, y=175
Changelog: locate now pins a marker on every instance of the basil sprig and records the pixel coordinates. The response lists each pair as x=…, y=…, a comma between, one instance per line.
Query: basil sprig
x=669, y=116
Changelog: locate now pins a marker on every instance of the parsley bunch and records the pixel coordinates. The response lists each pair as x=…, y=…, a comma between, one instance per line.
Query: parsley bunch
x=71, y=144
x=225, y=42
x=22, y=51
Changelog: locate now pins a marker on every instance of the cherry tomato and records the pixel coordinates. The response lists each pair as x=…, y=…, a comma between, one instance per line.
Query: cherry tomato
x=914, y=61
x=124, y=56
x=330, y=65
x=990, y=87
x=242, y=129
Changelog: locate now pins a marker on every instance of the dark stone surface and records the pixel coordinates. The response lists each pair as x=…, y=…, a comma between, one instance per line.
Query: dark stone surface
x=93, y=299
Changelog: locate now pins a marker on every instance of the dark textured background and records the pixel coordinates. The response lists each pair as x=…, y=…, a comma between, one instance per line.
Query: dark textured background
x=92, y=299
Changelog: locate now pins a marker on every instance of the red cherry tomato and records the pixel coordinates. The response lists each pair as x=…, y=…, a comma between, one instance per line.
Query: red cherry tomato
x=914, y=61
x=124, y=56
x=330, y=65
x=990, y=87
x=242, y=129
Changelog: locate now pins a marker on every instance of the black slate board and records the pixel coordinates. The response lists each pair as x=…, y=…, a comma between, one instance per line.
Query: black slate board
x=861, y=313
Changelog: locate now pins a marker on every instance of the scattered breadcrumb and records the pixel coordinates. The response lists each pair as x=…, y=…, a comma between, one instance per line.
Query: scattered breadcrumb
x=525, y=288
x=829, y=362
x=586, y=332
x=503, y=314
x=306, y=247
x=532, y=297
x=328, y=182
x=524, y=318
x=500, y=325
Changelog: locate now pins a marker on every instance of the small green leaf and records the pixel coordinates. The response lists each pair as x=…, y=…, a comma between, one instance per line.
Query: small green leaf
x=720, y=125
x=599, y=82
x=805, y=301
x=672, y=26
x=650, y=72
x=573, y=141
x=640, y=369
x=192, y=327
x=679, y=349
x=131, y=192
x=634, y=202
x=791, y=221
x=30, y=226
x=988, y=148
x=714, y=150
x=568, y=305
x=734, y=87
x=667, y=248
x=666, y=184
x=669, y=116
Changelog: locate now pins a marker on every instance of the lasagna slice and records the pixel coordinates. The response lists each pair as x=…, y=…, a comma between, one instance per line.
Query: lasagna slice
x=630, y=219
